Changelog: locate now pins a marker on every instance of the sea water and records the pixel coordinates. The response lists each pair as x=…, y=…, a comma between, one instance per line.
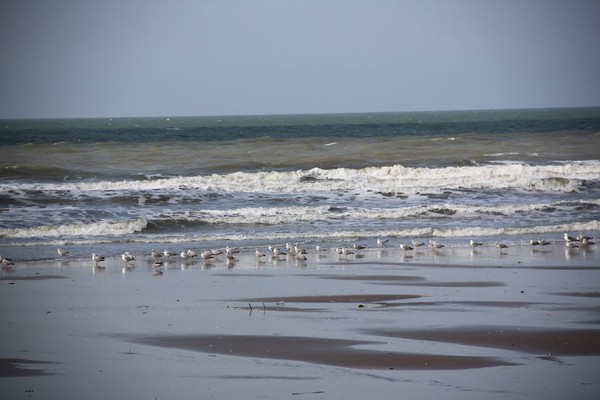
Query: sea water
x=245, y=181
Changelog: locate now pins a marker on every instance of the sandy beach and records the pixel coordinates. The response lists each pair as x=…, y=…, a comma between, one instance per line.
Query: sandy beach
x=454, y=323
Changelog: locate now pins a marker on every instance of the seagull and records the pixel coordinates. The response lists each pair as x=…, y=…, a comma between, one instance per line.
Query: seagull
x=569, y=238
x=581, y=237
x=230, y=256
x=298, y=250
x=416, y=243
x=436, y=245
x=169, y=253
x=127, y=257
x=155, y=254
x=358, y=246
x=62, y=252
x=278, y=252
x=346, y=251
x=319, y=248
x=231, y=250
x=289, y=248
x=191, y=253
x=97, y=258
x=7, y=262
x=543, y=242
x=405, y=247
x=571, y=245
x=501, y=246
x=534, y=243
x=258, y=253
x=474, y=243
x=382, y=242
x=585, y=241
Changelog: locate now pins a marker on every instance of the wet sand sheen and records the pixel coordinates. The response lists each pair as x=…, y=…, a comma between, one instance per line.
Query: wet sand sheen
x=336, y=352
x=357, y=298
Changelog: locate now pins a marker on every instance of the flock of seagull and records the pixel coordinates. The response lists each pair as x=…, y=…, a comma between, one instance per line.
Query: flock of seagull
x=296, y=252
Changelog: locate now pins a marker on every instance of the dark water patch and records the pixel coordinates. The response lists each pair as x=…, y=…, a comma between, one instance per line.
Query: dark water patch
x=595, y=294
x=15, y=367
x=532, y=340
x=336, y=352
x=32, y=277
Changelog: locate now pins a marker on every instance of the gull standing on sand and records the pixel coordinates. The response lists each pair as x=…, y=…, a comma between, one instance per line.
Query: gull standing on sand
x=382, y=242
x=581, y=238
x=259, y=253
x=474, y=243
x=501, y=246
x=436, y=245
x=127, y=257
x=571, y=245
x=320, y=249
x=169, y=253
x=416, y=243
x=585, y=241
x=230, y=256
x=155, y=254
x=405, y=247
x=569, y=238
x=278, y=252
x=62, y=252
x=96, y=258
x=7, y=262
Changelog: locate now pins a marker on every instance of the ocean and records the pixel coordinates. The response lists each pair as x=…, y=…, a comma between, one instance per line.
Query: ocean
x=329, y=179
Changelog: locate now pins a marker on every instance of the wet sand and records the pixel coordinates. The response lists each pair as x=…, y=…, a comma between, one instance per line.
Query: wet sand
x=451, y=324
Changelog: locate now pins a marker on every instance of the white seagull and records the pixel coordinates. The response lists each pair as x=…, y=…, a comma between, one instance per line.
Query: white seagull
x=96, y=258
x=169, y=253
x=382, y=242
x=155, y=254
x=62, y=252
x=501, y=246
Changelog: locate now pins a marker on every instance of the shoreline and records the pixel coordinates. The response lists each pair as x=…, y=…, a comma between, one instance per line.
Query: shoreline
x=481, y=325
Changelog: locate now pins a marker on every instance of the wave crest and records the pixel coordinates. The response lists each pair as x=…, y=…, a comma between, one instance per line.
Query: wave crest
x=566, y=177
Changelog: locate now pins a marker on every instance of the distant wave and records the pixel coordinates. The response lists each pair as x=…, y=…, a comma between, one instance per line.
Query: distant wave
x=73, y=230
x=560, y=177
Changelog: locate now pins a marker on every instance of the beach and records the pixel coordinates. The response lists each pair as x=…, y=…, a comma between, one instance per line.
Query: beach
x=456, y=322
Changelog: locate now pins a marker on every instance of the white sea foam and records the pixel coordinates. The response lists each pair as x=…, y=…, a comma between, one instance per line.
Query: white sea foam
x=282, y=215
x=566, y=177
x=93, y=229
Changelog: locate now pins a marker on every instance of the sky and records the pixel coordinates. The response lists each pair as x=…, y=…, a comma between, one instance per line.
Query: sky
x=89, y=58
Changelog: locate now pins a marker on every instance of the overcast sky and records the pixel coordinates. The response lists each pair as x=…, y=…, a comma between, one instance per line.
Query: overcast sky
x=89, y=58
